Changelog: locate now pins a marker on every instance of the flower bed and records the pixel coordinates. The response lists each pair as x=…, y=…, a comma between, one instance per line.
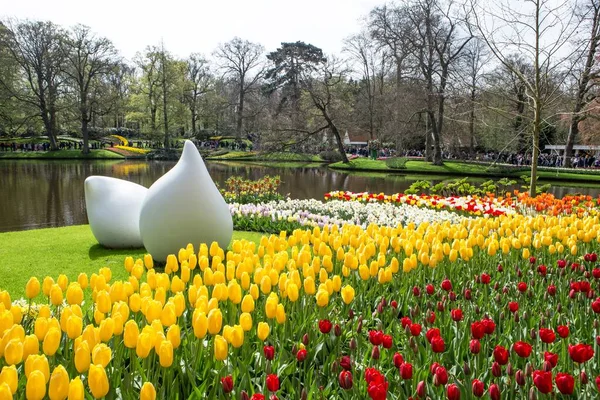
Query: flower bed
x=473, y=205
x=288, y=215
x=500, y=305
x=136, y=150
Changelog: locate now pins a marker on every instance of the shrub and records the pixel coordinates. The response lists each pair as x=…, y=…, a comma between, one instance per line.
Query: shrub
x=330, y=156
x=396, y=162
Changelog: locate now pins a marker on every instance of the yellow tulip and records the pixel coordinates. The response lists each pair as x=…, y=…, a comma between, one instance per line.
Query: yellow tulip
x=51, y=341
x=13, y=352
x=246, y=321
x=74, y=326
x=144, y=345
x=91, y=334
x=262, y=330
x=309, y=285
x=271, y=307
x=237, y=339
x=215, y=321
x=165, y=354
x=74, y=294
x=347, y=293
x=168, y=316
x=103, y=301
x=135, y=302
x=31, y=345
x=10, y=377
x=5, y=393
x=292, y=291
x=36, y=362
x=59, y=384
x=76, y=390
x=280, y=315
x=129, y=263
x=56, y=295
x=322, y=298
x=247, y=304
x=47, y=285
x=98, y=381
x=174, y=335
x=148, y=392
x=32, y=289
x=83, y=281
x=179, y=302
x=82, y=357
x=200, y=324
x=131, y=333
x=101, y=354
x=220, y=348
x=36, y=386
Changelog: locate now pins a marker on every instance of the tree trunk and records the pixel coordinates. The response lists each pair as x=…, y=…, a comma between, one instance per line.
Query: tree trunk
x=339, y=142
x=240, y=115
x=397, y=99
x=573, y=131
x=165, y=116
x=537, y=125
x=84, y=123
x=472, y=124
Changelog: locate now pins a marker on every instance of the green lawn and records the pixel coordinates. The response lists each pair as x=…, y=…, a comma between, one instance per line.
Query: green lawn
x=61, y=154
x=68, y=250
x=468, y=169
x=266, y=157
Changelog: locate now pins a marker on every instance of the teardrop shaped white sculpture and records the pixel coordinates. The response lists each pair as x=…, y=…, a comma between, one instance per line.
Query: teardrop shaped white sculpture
x=113, y=209
x=184, y=206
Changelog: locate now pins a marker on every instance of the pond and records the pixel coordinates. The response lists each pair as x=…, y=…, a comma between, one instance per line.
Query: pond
x=39, y=194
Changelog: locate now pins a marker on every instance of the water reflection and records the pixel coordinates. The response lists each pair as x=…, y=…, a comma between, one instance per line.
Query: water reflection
x=38, y=193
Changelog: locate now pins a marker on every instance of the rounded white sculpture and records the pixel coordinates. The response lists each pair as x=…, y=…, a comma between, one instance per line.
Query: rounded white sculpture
x=113, y=210
x=184, y=206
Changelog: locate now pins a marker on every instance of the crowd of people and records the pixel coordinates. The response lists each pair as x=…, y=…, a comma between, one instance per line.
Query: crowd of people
x=45, y=146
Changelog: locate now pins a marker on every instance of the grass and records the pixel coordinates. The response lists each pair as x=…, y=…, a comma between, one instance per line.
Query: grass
x=60, y=154
x=67, y=250
x=466, y=169
x=266, y=157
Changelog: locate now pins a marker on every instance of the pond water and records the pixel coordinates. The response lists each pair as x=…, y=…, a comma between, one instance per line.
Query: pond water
x=38, y=194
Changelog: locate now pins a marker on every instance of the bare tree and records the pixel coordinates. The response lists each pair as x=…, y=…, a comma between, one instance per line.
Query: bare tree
x=36, y=48
x=241, y=61
x=587, y=75
x=149, y=65
x=198, y=80
x=89, y=60
x=539, y=30
x=325, y=90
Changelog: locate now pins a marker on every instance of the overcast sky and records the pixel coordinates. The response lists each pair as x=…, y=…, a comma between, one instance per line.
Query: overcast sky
x=188, y=26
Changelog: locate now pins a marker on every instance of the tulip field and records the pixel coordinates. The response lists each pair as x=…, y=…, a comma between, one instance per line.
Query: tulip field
x=414, y=297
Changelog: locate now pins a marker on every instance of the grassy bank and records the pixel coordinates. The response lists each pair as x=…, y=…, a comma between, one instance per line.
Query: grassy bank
x=468, y=169
x=61, y=155
x=266, y=157
x=68, y=250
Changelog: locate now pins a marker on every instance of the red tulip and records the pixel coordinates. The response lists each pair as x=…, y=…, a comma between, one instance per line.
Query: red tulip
x=345, y=380
x=375, y=353
x=488, y=325
x=542, y=270
x=421, y=389
x=387, y=341
x=272, y=383
x=416, y=291
x=484, y=278
x=474, y=346
x=547, y=335
x=551, y=358
x=437, y=344
x=453, y=392
x=581, y=353
x=431, y=333
x=494, y=392
x=477, y=387
x=431, y=317
x=456, y=314
x=376, y=337
x=551, y=290
x=398, y=359
x=301, y=355
x=532, y=260
x=596, y=305
x=429, y=289
x=496, y=369
x=346, y=363
x=513, y=306
x=269, y=352
x=543, y=381
x=406, y=371
x=522, y=287
x=598, y=382
x=440, y=377
x=596, y=273
x=564, y=383
x=405, y=321
x=520, y=378
x=325, y=326
x=522, y=349
x=561, y=263
x=257, y=396
x=433, y=367
x=446, y=285
x=415, y=329
x=477, y=330
x=563, y=331
x=394, y=304
x=227, y=384
x=501, y=355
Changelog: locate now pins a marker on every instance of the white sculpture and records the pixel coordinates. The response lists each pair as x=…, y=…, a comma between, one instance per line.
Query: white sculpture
x=184, y=206
x=113, y=210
